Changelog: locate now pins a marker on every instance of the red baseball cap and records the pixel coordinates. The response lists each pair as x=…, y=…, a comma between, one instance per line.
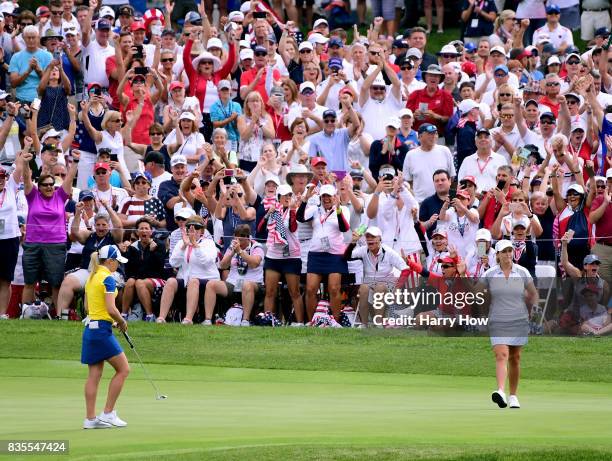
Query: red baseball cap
x=176, y=84
x=463, y=193
x=137, y=25
x=471, y=179
x=316, y=160
x=447, y=260
x=102, y=166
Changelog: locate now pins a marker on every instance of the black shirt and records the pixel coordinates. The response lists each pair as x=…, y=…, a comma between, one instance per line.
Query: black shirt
x=430, y=206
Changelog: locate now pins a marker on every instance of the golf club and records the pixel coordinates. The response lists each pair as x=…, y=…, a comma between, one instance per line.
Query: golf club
x=158, y=396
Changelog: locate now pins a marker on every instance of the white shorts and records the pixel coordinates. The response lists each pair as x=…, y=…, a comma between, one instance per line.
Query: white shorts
x=590, y=21
x=83, y=274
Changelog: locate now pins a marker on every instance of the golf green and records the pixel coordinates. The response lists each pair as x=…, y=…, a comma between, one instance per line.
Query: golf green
x=274, y=412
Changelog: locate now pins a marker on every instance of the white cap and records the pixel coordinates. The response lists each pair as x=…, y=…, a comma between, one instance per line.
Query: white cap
x=373, y=231
x=224, y=84
x=520, y=222
x=467, y=105
x=554, y=59
x=576, y=188
x=414, y=52
x=483, y=234
x=578, y=126
x=247, y=53
x=305, y=85
x=106, y=11
x=327, y=189
x=609, y=173
x=405, y=112
x=319, y=22
x=178, y=160
x=394, y=122
x=305, y=45
x=111, y=252
x=273, y=178
x=244, y=44
x=499, y=49
x=184, y=213
x=502, y=245
x=318, y=38
x=214, y=43
x=544, y=38
x=187, y=116
x=449, y=49
x=52, y=133
x=284, y=189
x=245, y=7
x=236, y=16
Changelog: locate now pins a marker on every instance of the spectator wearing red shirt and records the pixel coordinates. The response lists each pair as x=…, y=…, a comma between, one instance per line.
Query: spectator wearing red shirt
x=276, y=109
x=431, y=104
x=492, y=200
x=258, y=78
x=552, y=90
x=601, y=216
x=115, y=65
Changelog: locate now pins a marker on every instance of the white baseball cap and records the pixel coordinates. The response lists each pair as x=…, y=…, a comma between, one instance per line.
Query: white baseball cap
x=318, y=38
x=187, y=116
x=319, y=22
x=284, y=189
x=483, y=234
x=178, y=160
x=609, y=173
x=184, y=213
x=405, y=113
x=499, y=49
x=373, y=231
x=306, y=85
x=111, y=252
x=502, y=245
x=305, y=46
x=272, y=178
x=394, y=122
x=247, y=53
x=467, y=105
x=106, y=11
x=327, y=189
x=236, y=16
x=214, y=43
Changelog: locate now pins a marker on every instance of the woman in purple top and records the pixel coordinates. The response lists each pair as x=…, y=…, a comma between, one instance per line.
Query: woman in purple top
x=44, y=250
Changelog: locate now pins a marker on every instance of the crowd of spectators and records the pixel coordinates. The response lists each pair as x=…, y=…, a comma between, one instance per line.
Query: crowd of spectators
x=276, y=168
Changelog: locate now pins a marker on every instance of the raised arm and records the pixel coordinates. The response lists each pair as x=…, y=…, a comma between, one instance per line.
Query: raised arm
x=364, y=94
x=72, y=172
x=95, y=134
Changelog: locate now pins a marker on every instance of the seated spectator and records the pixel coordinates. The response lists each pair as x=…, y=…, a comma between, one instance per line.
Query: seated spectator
x=595, y=318
x=144, y=270
x=481, y=257
x=388, y=150
x=141, y=204
x=244, y=259
x=516, y=211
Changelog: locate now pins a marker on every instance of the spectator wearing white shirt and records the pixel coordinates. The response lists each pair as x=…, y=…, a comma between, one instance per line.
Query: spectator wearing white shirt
x=308, y=109
x=481, y=257
x=380, y=262
x=95, y=52
x=328, y=90
x=483, y=164
x=460, y=222
x=422, y=162
x=506, y=137
x=560, y=37
x=485, y=81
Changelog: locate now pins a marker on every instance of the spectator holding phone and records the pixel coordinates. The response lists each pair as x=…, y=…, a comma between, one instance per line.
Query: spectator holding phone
x=53, y=90
x=460, y=221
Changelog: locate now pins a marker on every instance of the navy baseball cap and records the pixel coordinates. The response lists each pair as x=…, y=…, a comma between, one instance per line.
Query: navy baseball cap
x=553, y=9
x=334, y=63
x=329, y=113
x=260, y=49
x=335, y=41
x=86, y=194
x=602, y=32
x=400, y=44
x=103, y=24
x=547, y=115
x=428, y=128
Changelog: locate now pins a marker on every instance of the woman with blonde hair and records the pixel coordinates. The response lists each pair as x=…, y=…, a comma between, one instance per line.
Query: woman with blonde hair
x=255, y=128
x=110, y=137
x=296, y=150
x=99, y=343
x=185, y=139
x=508, y=31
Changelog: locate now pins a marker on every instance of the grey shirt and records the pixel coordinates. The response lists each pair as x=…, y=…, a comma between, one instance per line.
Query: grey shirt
x=507, y=294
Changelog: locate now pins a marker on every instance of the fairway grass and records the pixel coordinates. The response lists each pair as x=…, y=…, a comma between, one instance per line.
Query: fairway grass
x=285, y=407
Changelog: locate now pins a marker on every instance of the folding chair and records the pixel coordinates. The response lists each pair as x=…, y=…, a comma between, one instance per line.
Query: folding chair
x=546, y=276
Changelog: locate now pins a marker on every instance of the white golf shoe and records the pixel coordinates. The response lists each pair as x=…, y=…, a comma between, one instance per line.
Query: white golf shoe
x=95, y=423
x=112, y=419
x=499, y=397
x=513, y=402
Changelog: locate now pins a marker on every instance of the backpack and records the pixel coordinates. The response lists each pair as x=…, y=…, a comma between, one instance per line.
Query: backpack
x=266, y=319
x=233, y=316
x=347, y=317
x=35, y=311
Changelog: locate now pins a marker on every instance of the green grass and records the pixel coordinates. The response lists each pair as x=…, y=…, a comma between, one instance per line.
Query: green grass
x=259, y=393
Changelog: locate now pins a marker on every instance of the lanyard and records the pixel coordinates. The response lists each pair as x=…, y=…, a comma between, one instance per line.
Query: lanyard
x=3, y=197
x=323, y=220
x=485, y=165
x=461, y=224
x=374, y=259
x=277, y=122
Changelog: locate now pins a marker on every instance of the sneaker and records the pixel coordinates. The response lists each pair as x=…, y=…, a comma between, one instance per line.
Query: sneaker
x=4, y=317
x=160, y=320
x=206, y=323
x=499, y=397
x=150, y=318
x=125, y=316
x=187, y=322
x=513, y=402
x=296, y=325
x=96, y=423
x=112, y=419
x=245, y=323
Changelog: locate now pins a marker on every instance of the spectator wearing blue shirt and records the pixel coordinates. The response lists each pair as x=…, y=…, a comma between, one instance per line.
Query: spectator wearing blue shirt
x=406, y=134
x=27, y=66
x=224, y=113
x=332, y=143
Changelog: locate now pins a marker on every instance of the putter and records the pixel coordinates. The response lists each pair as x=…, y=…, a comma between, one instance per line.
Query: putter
x=158, y=396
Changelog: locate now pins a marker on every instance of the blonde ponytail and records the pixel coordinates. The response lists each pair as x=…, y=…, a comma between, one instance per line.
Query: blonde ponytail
x=94, y=264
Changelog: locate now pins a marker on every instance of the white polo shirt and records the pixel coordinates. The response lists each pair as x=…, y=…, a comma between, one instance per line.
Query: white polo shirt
x=514, y=138
x=557, y=36
x=379, y=267
x=376, y=113
x=484, y=171
x=419, y=167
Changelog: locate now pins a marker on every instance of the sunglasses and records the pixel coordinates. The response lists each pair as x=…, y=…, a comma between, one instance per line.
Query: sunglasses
x=447, y=266
x=601, y=186
x=304, y=51
x=572, y=101
x=405, y=68
x=330, y=120
x=553, y=84
x=138, y=81
x=573, y=194
x=206, y=63
x=156, y=134
x=46, y=184
x=547, y=122
x=500, y=74
x=506, y=116
x=448, y=56
x=374, y=53
x=378, y=88
x=101, y=172
x=140, y=183
x=57, y=13
x=260, y=54
x=167, y=60
x=25, y=24
x=573, y=62
x=178, y=218
x=505, y=95
x=196, y=226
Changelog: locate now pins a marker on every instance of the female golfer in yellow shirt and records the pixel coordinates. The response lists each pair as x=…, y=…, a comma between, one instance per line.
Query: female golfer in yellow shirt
x=99, y=343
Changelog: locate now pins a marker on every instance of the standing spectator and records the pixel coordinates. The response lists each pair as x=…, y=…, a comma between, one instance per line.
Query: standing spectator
x=418, y=39
x=144, y=270
x=109, y=136
x=256, y=129
x=27, y=66
x=560, y=37
x=9, y=232
x=224, y=114
x=595, y=16
x=96, y=51
x=44, y=252
x=332, y=143
x=483, y=164
x=421, y=163
x=460, y=221
x=431, y=104
x=478, y=17
x=53, y=90
x=429, y=211
x=428, y=8
x=388, y=150
x=601, y=216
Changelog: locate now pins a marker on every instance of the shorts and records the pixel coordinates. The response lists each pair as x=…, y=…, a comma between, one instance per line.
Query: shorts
x=182, y=285
x=231, y=288
x=99, y=343
x=44, y=261
x=384, y=8
x=326, y=263
x=9, y=249
x=300, y=3
x=590, y=21
x=83, y=274
x=570, y=17
x=283, y=266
